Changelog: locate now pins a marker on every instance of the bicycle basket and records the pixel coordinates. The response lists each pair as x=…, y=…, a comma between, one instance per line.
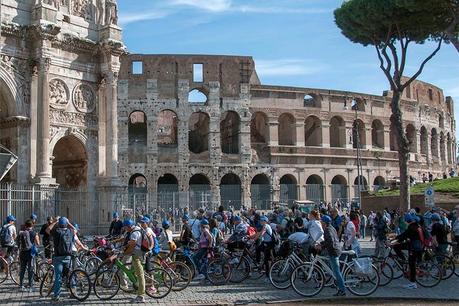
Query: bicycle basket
x=363, y=266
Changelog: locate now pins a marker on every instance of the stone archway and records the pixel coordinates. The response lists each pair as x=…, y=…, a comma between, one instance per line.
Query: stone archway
x=230, y=191
x=70, y=164
x=288, y=189
x=7, y=132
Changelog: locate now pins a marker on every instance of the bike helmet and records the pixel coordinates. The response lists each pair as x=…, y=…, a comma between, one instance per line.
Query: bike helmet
x=165, y=223
x=128, y=223
x=435, y=217
x=145, y=219
x=10, y=218
x=326, y=219
x=204, y=222
x=63, y=221
x=33, y=216
x=409, y=218
x=116, y=214
x=264, y=219
x=76, y=226
x=185, y=217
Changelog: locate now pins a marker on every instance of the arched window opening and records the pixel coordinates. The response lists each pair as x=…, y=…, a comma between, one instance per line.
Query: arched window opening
x=379, y=183
x=311, y=100
x=441, y=121
x=229, y=133
x=315, y=188
x=137, y=183
x=442, y=148
x=137, y=128
x=337, y=132
x=363, y=185
x=167, y=128
x=230, y=191
x=260, y=190
x=393, y=137
x=434, y=142
x=339, y=188
x=411, y=136
x=287, y=130
x=424, y=141
x=198, y=135
x=313, y=131
x=377, y=134
x=70, y=163
x=197, y=96
x=288, y=189
x=168, y=192
x=259, y=128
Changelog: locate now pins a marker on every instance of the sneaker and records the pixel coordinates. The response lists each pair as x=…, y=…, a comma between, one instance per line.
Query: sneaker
x=340, y=293
x=56, y=298
x=124, y=287
x=22, y=289
x=411, y=286
x=152, y=290
x=200, y=277
x=234, y=261
x=138, y=299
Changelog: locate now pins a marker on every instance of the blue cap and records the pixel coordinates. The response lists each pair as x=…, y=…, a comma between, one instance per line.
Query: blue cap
x=204, y=222
x=128, y=222
x=416, y=218
x=409, y=218
x=63, y=221
x=76, y=227
x=264, y=219
x=10, y=218
x=435, y=217
x=165, y=223
x=237, y=219
x=145, y=219
x=326, y=219
x=185, y=217
x=116, y=214
x=33, y=216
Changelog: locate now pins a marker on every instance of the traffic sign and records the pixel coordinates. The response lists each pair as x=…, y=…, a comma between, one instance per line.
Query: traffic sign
x=429, y=195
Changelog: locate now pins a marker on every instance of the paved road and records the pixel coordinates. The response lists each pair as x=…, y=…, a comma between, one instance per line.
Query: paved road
x=249, y=292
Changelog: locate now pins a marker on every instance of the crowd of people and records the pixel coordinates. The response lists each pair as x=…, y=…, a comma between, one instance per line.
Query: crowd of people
x=329, y=229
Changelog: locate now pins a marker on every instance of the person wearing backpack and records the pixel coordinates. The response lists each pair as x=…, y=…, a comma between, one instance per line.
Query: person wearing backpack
x=62, y=233
x=150, y=248
x=27, y=239
x=412, y=240
x=267, y=243
x=166, y=240
x=217, y=234
x=439, y=235
x=205, y=242
x=8, y=237
x=381, y=229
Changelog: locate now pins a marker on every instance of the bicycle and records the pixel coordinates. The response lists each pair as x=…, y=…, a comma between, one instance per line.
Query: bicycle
x=308, y=279
x=185, y=255
x=281, y=270
x=216, y=266
x=76, y=280
x=243, y=264
x=179, y=271
x=107, y=284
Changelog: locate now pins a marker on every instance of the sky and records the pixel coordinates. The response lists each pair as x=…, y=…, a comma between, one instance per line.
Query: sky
x=293, y=42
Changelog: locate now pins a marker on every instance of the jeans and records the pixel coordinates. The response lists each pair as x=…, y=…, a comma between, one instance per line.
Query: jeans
x=197, y=258
x=334, y=265
x=380, y=248
x=25, y=261
x=59, y=262
x=138, y=270
x=413, y=258
x=362, y=232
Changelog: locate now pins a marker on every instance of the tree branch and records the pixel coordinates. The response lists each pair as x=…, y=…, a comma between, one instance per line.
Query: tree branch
x=384, y=69
x=415, y=76
x=404, y=53
x=397, y=75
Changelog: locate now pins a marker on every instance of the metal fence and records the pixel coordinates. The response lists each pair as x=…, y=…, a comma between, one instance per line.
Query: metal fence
x=315, y=192
x=339, y=192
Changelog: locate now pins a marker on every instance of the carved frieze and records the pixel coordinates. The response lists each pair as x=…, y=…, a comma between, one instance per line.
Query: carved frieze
x=83, y=8
x=84, y=98
x=58, y=94
x=62, y=118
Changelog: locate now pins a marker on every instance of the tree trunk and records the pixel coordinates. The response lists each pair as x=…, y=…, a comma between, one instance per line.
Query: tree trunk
x=453, y=38
x=403, y=151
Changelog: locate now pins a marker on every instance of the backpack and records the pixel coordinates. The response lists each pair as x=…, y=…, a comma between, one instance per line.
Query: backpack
x=64, y=242
x=25, y=240
x=5, y=236
x=251, y=231
x=156, y=248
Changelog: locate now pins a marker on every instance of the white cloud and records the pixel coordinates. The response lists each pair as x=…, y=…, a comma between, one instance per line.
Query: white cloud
x=208, y=5
x=278, y=10
x=128, y=18
x=288, y=67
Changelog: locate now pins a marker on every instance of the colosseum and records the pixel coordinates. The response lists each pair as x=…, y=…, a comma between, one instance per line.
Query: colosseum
x=192, y=129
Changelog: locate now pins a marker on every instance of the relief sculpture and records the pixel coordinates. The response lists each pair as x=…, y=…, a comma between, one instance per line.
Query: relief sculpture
x=82, y=8
x=58, y=94
x=84, y=98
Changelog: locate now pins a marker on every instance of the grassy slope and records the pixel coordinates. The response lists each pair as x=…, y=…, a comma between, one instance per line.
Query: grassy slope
x=450, y=185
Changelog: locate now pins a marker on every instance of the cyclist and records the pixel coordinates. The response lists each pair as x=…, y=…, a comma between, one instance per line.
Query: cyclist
x=350, y=235
x=235, y=241
x=133, y=243
x=439, y=235
x=8, y=236
x=381, y=229
x=116, y=225
x=411, y=240
x=205, y=242
x=217, y=234
x=45, y=237
x=166, y=239
x=26, y=240
x=186, y=236
x=267, y=243
x=332, y=246
x=63, y=239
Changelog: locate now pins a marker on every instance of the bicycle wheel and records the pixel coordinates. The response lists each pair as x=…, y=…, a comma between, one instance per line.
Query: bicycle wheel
x=79, y=284
x=429, y=274
x=14, y=271
x=4, y=271
x=218, y=271
x=92, y=264
x=396, y=268
x=385, y=270
x=280, y=273
x=307, y=280
x=361, y=284
x=47, y=283
x=257, y=270
x=447, y=265
x=181, y=275
x=240, y=267
x=158, y=283
x=456, y=264
x=106, y=284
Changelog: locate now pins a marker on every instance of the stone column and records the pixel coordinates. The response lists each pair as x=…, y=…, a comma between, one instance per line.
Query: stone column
x=386, y=138
x=102, y=128
x=273, y=131
x=326, y=134
x=418, y=141
x=300, y=141
x=33, y=121
x=43, y=160
x=368, y=138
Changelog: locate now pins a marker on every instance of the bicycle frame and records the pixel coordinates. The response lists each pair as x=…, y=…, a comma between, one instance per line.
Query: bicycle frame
x=129, y=273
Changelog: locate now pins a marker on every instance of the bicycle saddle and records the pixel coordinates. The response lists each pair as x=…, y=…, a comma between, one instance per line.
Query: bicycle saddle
x=350, y=252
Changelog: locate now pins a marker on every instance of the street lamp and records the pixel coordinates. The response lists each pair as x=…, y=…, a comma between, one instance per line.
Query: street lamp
x=356, y=144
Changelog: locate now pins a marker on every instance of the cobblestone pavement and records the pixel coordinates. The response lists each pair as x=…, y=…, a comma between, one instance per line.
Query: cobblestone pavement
x=249, y=292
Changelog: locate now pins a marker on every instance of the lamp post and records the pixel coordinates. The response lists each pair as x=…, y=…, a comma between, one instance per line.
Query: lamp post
x=356, y=143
